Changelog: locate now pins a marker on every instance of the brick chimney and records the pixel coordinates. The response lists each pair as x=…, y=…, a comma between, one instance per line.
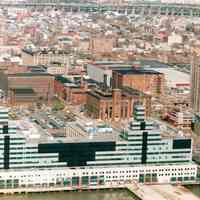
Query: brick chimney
x=116, y=104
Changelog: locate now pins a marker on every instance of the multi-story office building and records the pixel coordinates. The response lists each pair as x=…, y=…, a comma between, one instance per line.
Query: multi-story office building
x=138, y=153
x=142, y=144
x=16, y=153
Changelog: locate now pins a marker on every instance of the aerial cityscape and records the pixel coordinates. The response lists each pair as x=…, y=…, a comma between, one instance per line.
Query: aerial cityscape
x=100, y=99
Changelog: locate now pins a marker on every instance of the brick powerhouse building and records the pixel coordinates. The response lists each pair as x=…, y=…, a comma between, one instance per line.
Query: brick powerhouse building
x=41, y=84
x=116, y=104
x=147, y=81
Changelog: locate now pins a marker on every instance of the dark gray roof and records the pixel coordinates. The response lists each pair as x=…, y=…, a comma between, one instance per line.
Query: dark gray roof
x=137, y=71
x=30, y=74
x=152, y=64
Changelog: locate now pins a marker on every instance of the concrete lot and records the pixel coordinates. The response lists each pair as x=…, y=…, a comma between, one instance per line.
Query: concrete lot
x=162, y=192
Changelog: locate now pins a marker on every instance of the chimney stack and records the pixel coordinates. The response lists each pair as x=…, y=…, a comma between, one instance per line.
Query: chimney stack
x=116, y=104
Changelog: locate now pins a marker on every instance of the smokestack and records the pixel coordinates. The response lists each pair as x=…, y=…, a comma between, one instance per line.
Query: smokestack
x=105, y=86
x=116, y=104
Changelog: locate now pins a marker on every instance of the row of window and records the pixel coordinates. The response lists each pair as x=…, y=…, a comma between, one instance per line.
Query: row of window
x=140, y=171
x=179, y=174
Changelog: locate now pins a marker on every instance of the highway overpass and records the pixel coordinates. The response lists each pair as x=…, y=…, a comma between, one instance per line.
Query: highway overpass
x=134, y=8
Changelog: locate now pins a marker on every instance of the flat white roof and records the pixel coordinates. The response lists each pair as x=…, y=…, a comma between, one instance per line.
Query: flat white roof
x=174, y=76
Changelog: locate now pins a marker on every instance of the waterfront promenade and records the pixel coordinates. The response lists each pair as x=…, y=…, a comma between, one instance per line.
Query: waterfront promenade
x=139, y=191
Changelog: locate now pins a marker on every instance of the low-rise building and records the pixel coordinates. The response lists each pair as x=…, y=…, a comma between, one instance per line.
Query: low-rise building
x=71, y=92
x=181, y=119
x=41, y=85
x=44, y=57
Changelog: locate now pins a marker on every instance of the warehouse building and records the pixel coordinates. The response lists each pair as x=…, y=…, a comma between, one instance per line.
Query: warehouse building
x=27, y=87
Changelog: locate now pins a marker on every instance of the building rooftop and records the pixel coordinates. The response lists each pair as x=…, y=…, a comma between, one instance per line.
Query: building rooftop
x=174, y=77
x=126, y=92
x=137, y=71
x=71, y=134
x=37, y=69
x=130, y=91
x=44, y=51
x=152, y=64
x=21, y=91
x=110, y=65
x=63, y=79
x=31, y=74
x=99, y=94
x=72, y=85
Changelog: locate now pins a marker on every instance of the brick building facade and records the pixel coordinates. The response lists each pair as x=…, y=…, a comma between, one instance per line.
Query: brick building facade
x=70, y=92
x=42, y=84
x=147, y=81
x=116, y=104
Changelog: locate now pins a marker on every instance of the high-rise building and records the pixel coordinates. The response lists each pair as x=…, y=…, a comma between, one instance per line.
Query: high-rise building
x=195, y=83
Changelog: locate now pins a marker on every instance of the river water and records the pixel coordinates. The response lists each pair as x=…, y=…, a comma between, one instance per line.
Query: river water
x=94, y=195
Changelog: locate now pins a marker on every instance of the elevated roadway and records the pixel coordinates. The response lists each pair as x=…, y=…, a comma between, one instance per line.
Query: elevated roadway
x=134, y=8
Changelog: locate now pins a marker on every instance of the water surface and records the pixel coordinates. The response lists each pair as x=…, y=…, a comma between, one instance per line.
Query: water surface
x=93, y=195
